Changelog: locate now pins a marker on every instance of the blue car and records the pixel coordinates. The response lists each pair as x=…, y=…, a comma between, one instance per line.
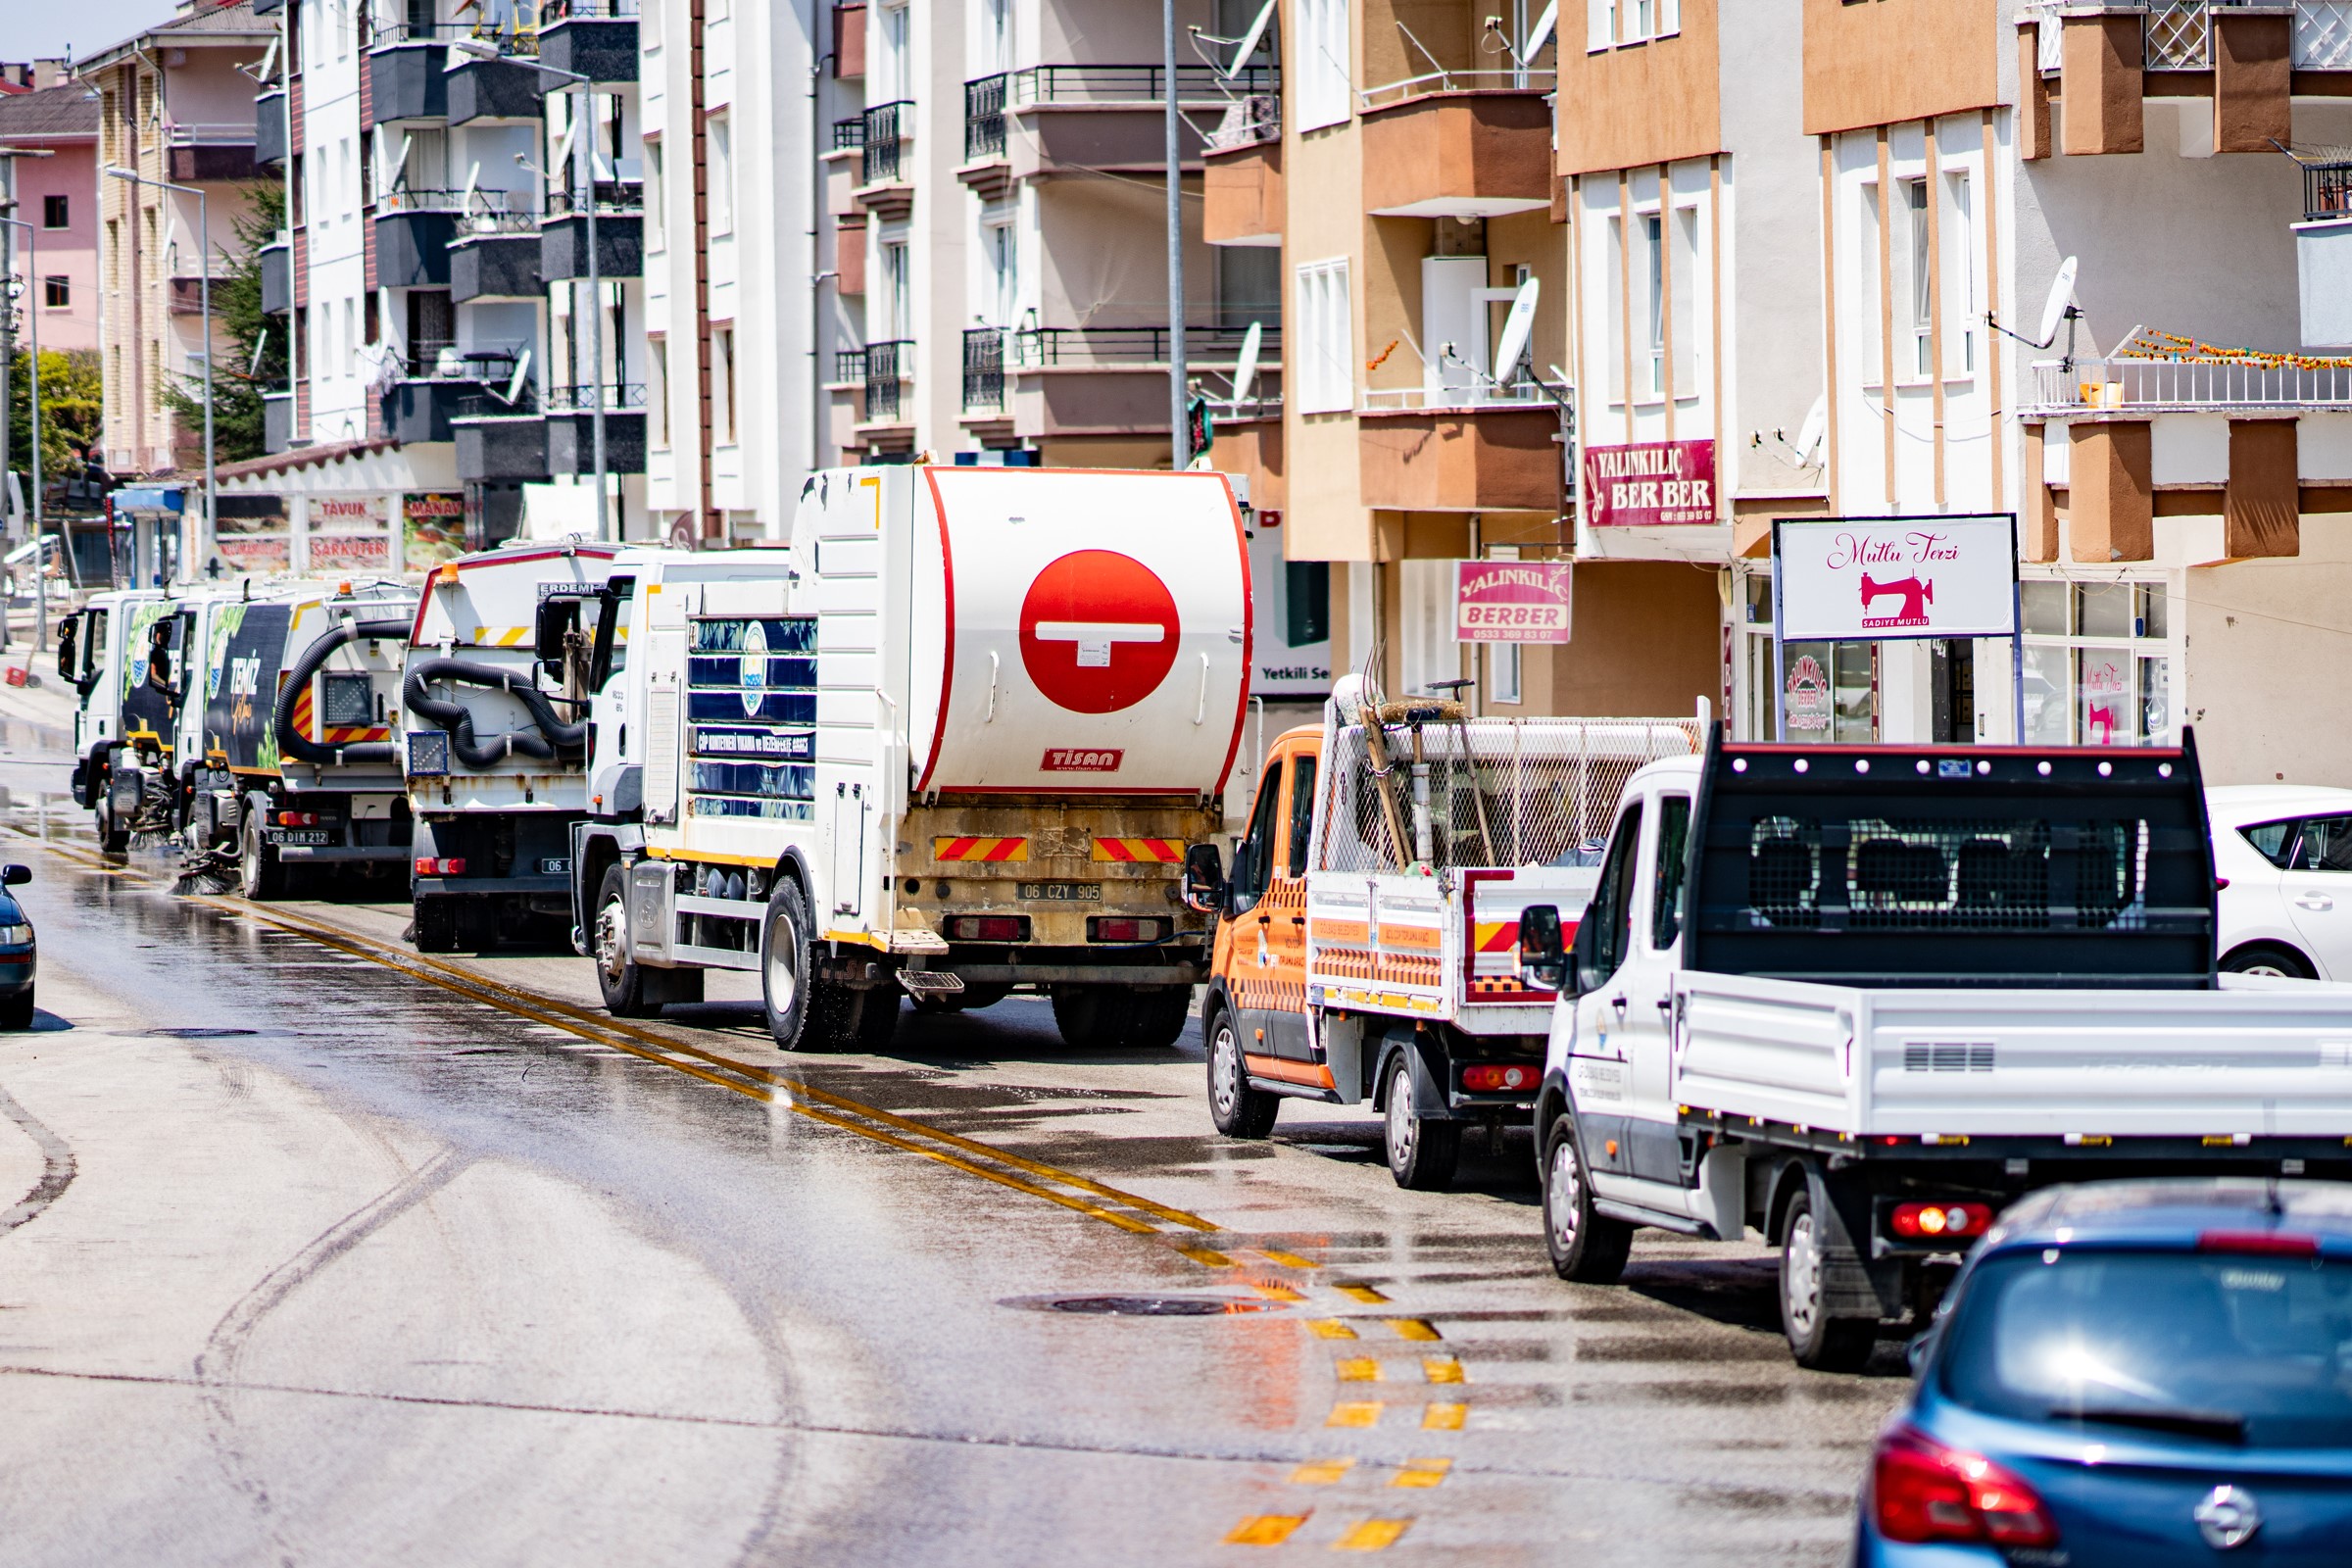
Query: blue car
x=2141, y=1373
x=17, y=956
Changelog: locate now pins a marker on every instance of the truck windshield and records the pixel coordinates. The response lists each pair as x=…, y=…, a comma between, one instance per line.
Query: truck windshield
x=2252, y=1350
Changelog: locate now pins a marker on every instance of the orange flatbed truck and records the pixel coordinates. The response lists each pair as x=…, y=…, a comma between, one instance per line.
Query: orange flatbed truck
x=1367, y=945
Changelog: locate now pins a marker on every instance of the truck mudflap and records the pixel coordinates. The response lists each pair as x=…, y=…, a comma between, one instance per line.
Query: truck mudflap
x=1853, y=1283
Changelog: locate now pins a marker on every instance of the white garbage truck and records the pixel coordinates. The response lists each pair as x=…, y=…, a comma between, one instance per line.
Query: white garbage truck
x=952, y=743
x=496, y=743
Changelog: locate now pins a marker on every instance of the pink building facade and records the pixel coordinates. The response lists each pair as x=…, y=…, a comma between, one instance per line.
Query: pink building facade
x=58, y=196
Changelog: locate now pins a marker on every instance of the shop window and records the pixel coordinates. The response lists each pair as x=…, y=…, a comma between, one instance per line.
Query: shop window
x=2099, y=667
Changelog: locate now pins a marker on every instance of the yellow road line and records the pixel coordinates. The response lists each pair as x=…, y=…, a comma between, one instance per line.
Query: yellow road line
x=1421, y=1473
x=1276, y=1293
x=1355, y=1413
x=1442, y=1417
x=1330, y=1327
x=1442, y=1369
x=1359, y=1369
x=1372, y=1535
x=1265, y=1530
x=1207, y=1257
x=1287, y=1259
x=1362, y=1292
x=1414, y=1328
x=1321, y=1472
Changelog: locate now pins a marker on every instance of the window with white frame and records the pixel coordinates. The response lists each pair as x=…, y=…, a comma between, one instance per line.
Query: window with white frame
x=1915, y=268
x=2098, y=664
x=1609, y=22
x=1322, y=55
x=1325, y=346
x=999, y=290
x=897, y=292
x=1663, y=292
x=1963, y=313
x=655, y=233
x=1503, y=673
x=1872, y=339
x=721, y=136
x=657, y=391
x=722, y=390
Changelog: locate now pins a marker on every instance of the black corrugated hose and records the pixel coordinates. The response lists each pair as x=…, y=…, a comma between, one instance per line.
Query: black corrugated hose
x=301, y=748
x=554, y=734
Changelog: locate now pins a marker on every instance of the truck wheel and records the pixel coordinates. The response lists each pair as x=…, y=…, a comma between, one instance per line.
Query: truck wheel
x=1818, y=1342
x=1422, y=1154
x=436, y=922
x=1155, y=1018
x=1239, y=1111
x=1586, y=1247
x=1088, y=1016
x=798, y=1009
x=114, y=837
x=620, y=981
x=261, y=874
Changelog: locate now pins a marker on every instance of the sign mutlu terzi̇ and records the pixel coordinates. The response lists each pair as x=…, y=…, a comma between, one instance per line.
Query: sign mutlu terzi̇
x=1862, y=579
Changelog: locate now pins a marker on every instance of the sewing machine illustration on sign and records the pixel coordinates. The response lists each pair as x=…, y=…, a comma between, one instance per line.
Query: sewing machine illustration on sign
x=1917, y=594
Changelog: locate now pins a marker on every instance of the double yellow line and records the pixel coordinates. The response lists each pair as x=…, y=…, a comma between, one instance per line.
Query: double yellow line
x=1123, y=1211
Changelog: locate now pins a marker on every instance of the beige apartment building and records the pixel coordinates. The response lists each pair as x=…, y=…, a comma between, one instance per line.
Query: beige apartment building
x=174, y=106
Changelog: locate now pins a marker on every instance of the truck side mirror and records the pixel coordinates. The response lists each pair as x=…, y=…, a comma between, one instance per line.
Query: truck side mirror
x=1541, y=957
x=67, y=631
x=14, y=876
x=1580, y=952
x=1205, y=887
x=557, y=618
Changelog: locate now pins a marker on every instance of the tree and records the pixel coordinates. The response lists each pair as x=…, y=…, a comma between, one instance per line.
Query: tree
x=73, y=410
x=253, y=357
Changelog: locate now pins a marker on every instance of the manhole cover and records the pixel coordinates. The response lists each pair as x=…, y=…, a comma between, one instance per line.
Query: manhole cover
x=1140, y=1305
x=199, y=1032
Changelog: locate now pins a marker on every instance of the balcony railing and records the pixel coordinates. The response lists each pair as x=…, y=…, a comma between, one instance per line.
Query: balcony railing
x=2157, y=387
x=187, y=295
x=848, y=367
x=2177, y=34
x=618, y=397
x=884, y=137
x=983, y=369
x=1442, y=81
x=1082, y=348
x=390, y=33
x=207, y=134
x=849, y=134
x=611, y=196
x=1518, y=395
x=1247, y=122
x=984, y=117
x=551, y=11
x=2327, y=191
x=439, y=360
x=1135, y=85
x=886, y=367
x=404, y=200
x=2322, y=35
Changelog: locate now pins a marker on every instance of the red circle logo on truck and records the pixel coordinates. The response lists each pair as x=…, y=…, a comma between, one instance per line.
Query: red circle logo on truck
x=1098, y=631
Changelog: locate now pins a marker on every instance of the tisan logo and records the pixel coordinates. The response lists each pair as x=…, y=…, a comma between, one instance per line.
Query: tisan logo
x=1076, y=760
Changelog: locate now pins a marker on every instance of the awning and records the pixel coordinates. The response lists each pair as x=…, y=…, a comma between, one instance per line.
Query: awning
x=149, y=498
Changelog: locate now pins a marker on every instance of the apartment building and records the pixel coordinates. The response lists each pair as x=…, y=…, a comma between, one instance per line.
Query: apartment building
x=176, y=106
x=58, y=195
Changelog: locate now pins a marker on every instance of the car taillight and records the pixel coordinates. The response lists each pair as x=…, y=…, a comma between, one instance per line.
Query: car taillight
x=1127, y=928
x=1924, y=1222
x=1491, y=1078
x=2264, y=1243
x=989, y=928
x=426, y=865
x=296, y=818
x=1922, y=1491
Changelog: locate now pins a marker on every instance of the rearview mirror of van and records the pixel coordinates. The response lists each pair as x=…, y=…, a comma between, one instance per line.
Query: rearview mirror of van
x=1204, y=885
x=1542, y=959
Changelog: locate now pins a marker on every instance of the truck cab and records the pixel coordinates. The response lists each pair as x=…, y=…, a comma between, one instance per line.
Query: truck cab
x=101, y=650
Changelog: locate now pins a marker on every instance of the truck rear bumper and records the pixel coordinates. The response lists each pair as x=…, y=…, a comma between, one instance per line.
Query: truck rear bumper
x=1124, y=974
x=344, y=853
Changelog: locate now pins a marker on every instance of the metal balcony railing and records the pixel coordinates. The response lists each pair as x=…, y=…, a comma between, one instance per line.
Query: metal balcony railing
x=983, y=369
x=2089, y=385
x=1135, y=85
x=204, y=133
x=1518, y=395
x=2327, y=191
x=848, y=367
x=884, y=135
x=389, y=33
x=441, y=360
x=404, y=200
x=984, y=117
x=886, y=369
x=2177, y=34
x=1443, y=82
x=849, y=134
x=620, y=398
x=551, y=11
x=1067, y=348
x=611, y=196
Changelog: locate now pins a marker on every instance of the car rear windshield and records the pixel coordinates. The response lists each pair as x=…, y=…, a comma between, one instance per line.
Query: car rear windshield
x=2250, y=1349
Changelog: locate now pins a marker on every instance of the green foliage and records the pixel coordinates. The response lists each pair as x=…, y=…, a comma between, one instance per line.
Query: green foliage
x=238, y=379
x=72, y=407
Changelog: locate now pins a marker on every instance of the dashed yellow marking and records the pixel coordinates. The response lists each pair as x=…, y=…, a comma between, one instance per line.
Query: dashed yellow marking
x=1421, y=1473
x=1265, y=1530
x=1287, y=1259
x=1362, y=1292
x=1414, y=1328
x=1355, y=1413
x=1359, y=1369
x=1442, y=1369
x=1207, y=1257
x=1276, y=1293
x=1330, y=1327
x=1442, y=1417
x=1372, y=1535
x=1321, y=1472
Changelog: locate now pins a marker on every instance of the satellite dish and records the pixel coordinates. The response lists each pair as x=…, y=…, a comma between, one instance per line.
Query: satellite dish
x=473, y=182
x=1540, y=33
x=1809, y=434
x=1244, y=371
x=1249, y=42
x=557, y=165
x=1517, y=328
x=2062, y=297
x=514, y=382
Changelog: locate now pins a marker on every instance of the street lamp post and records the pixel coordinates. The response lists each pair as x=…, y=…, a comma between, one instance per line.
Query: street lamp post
x=40, y=586
x=483, y=49
x=204, y=280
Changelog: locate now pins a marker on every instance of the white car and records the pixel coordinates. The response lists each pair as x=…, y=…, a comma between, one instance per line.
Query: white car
x=2283, y=854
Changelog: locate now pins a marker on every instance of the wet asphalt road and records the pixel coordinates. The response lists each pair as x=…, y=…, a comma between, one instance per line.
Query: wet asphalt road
x=319, y=1259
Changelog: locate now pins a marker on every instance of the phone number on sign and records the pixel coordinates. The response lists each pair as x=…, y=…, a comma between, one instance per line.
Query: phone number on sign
x=1534, y=617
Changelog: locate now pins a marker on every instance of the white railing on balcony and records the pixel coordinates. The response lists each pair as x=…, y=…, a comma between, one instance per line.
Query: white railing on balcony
x=207, y=133
x=1442, y=81
x=1519, y=395
x=2166, y=386
x=2177, y=34
x=2323, y=34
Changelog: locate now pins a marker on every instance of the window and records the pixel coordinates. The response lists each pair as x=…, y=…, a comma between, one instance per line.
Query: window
x=1613, y=902
x=1255, y=858
x=1608, y=22
x=1866, y=267
x=57, y=292
x=898, y=291
x=372, y=323
x=658, y=394
x=1506, y=681
x=55, y=212
x=723, y=177
x=895, y=73
x=2274, y=840
x=1919, y=315
x=1673, y=863
x=654, y=236
x=722, y=366
x=1324, y=77
x=1303, y=812
x=2324, y=845
x=1962, y=315
x=1000, y=269
x=1306, y=602
x=1326, y=334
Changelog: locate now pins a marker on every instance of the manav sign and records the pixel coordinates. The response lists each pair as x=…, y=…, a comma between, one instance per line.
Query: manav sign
x=1839, y=580
x=1511, y=601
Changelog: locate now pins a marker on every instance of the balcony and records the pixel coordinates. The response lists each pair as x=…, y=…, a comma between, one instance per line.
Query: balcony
x=413, y=230
x=270, y=128
x=887, y=367
x=2069, y=389
x=595, y=38
x=277, y=277
x=983, y=370
x=1464, y=145
x=984, y=120
x=406, y=79
x=1110, y=380
x=211, y=154
x=885, y=133
x=572, y=429
x=498, y=441
x=495, y=89
x=1241, y=192
x=187, y=295
x=1109, y=117
x=619, y=233
x=1418, y=453
x=422, y=410
x=496, y=259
